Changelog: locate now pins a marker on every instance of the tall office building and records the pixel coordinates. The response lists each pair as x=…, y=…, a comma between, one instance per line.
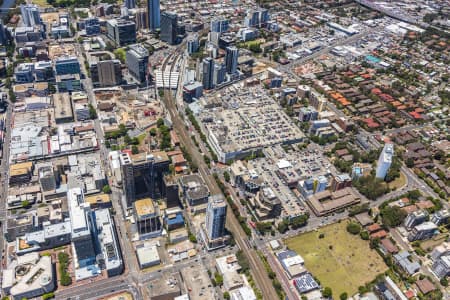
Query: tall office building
x=219, y=25
x=143, y=175
x=130, y=4
x=385, y=161
x=121, y=32
x=264, y=17
x=137, y=62
x=124, y=12
x=106, y=73
x=257, y=18
x=67, y=65
x=214, y=38
x=231, y=59
x=92, y=26
x=30, y=14
x=208, y=73
x=251, y=19
x=216, y=214
x=3, y=34
x=154, y=15
x=171, y=192
x=192, y=44
x=141, y=19
x=169, y=23
x=220, y=72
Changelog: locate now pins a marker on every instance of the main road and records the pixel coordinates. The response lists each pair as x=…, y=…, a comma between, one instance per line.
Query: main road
x=128, y=253
x=4, y=172
x=130, y=279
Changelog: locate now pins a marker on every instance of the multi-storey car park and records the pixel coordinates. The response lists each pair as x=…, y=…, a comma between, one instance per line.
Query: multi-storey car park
x=241, y=121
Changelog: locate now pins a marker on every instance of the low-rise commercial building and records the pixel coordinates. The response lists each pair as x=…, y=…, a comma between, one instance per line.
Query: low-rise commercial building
x=147, y=256
x=258, y=123
x=228, y=267
x=51, y=236
x=326, y=202
x=63, y=108
x=293, y=264
x=32, y=277
x=266, y=204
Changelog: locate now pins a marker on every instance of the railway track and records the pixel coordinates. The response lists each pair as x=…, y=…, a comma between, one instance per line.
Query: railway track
x=258, y=269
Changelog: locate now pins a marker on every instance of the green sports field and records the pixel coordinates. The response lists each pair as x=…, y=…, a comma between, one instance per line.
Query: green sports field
x=340, y=260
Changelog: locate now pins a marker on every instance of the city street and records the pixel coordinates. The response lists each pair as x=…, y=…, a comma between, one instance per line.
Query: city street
x=128, y=255
x=4, y=172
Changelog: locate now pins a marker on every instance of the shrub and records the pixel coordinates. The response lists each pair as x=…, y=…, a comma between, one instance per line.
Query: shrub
x=66, y=279
x=364, y=235
x=106, y=189
x=48, y=296
x=218, y=279
x=353, y=228
x=392, y=216
x=327, y=292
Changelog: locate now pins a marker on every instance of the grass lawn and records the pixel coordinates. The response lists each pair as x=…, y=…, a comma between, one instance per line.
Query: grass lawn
x=430, y=244
x=41, y=3
x=142, y=137
x=340, y=260
x=398, y=182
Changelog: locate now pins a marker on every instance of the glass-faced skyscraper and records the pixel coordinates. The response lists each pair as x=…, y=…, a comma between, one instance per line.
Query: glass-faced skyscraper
x=169, y=23
x=137, y=62
x=154, y=15
x=216, y=215
x=231, y=59
x=30, y=14
x=208, y=73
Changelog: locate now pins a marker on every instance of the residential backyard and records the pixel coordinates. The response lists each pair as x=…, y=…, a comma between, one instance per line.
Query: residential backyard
x=339, y=260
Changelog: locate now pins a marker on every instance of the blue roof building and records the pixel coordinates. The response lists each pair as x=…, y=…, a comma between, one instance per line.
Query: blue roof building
x=174, y=221
x=305, y=283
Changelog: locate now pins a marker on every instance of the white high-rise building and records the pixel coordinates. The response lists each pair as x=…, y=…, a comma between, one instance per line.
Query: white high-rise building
x=385, y=161
x=84, y=256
